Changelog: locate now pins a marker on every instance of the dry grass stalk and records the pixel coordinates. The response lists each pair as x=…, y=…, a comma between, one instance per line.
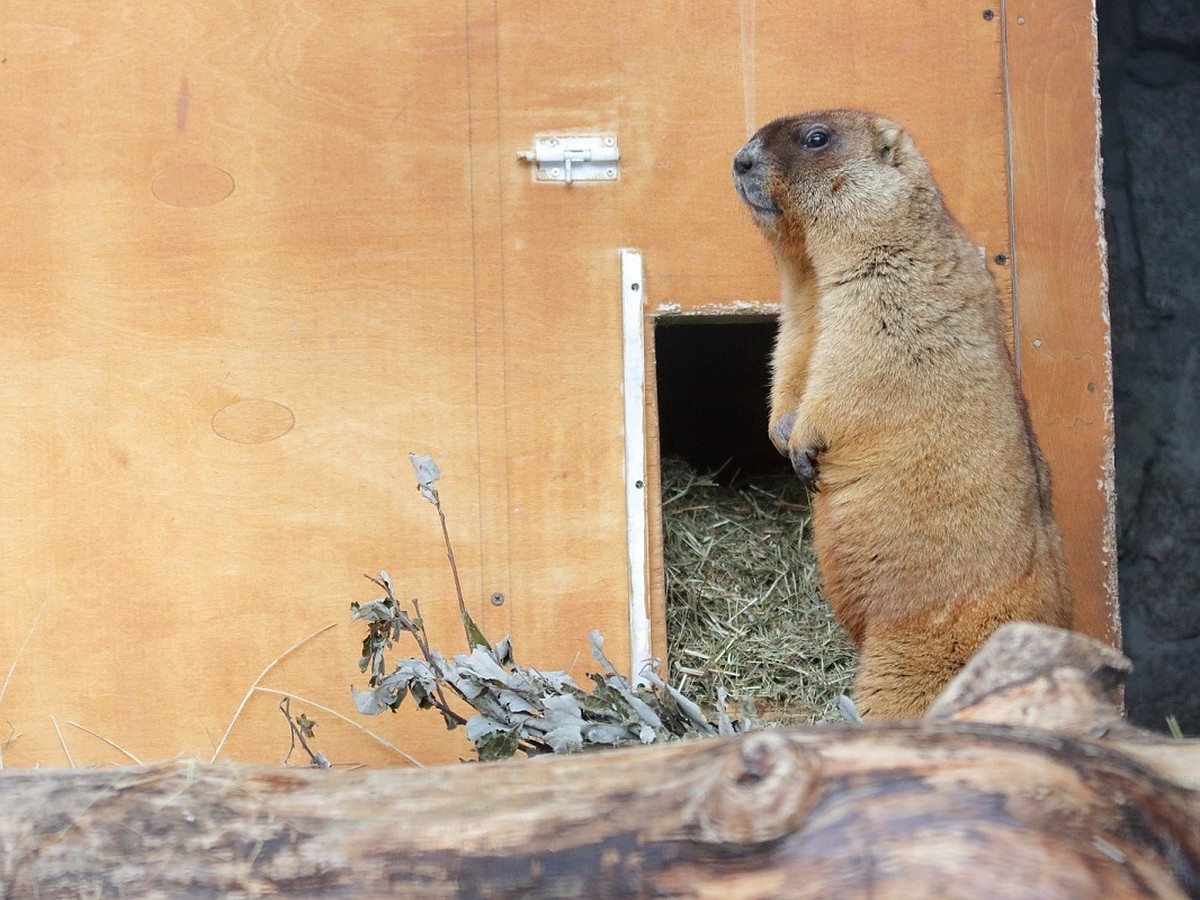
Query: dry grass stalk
x=103, y=739
x=257, y=681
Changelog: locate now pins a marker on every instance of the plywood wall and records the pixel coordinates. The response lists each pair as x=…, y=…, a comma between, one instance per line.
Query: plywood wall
x=255, y=253
x=1062, y=312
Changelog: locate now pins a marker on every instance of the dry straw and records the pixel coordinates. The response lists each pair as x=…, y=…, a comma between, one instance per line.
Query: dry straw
x=744, y=605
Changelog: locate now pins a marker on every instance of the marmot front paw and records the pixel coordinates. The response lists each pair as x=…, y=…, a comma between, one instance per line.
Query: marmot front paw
x=790, y=442
x=781, y=432
x=804, y=461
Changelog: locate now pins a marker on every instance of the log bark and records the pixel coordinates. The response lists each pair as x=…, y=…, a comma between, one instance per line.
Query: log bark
x=1022, y=782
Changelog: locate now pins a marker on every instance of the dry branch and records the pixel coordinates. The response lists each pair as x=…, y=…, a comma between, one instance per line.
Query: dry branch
x=963, y=802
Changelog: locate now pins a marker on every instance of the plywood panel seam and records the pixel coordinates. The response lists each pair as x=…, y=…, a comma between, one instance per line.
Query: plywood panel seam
x=488, y=295
x=1014, y=260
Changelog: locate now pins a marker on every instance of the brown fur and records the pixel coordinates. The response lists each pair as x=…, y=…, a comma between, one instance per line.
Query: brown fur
x=895, y=395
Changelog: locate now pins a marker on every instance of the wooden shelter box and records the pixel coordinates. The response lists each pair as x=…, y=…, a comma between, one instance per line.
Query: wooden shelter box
x=254, y=254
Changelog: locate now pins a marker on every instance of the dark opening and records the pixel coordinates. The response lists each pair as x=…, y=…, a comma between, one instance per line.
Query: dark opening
x=713, y=396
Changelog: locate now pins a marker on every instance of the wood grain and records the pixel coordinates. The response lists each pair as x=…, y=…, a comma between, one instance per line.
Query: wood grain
x=1061, y=289
x=178, y=551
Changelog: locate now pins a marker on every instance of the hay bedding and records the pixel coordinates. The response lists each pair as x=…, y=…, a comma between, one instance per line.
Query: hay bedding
x=744, y=607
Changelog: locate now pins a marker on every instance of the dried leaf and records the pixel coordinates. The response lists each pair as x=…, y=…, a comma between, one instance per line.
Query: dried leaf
x=514, y=702
x=427, y=476
x=601, y=702
x=618, y=684
x=502, y=652
x=367, y=702
x=381, y=610
x=597, y=642
x=469, y=688
x=553, y=680
x=562, y=710
x=499, y=746
x=475, y=635
x=416, y=675
x=479, y=727
x=607, y=734
x=487, y=704
x=564, y=739
x=693, y=712
x=492, y=739
x=527, y=682
x=481, y=664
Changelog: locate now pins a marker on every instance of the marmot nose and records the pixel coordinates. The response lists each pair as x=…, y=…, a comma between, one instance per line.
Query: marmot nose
x=743, y=162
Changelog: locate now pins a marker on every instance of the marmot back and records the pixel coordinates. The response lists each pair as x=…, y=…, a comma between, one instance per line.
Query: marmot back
x=896, y=399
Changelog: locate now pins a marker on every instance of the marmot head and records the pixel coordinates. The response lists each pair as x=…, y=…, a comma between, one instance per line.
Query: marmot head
x=837, y=174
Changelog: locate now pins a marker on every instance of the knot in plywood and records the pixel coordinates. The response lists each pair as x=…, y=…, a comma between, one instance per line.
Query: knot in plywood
x=253, y=421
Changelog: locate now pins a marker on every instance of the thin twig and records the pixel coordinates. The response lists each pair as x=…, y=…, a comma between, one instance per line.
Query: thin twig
x=443, y=704
x=462, y=603
x=285, y=708
x=263, y=674
x=101, y=737
x=333, y=712
x=318, y=760
x=62, y=740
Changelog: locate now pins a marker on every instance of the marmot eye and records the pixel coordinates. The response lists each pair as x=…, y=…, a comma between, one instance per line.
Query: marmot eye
x=816, y=139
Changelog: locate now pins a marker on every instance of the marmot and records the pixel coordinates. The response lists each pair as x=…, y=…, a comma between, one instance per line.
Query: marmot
x=895, y=396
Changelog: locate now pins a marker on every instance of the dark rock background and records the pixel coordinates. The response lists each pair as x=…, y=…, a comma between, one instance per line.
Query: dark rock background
x=1150, y=98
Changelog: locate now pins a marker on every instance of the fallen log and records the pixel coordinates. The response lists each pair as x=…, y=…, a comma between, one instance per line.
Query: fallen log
x=1022, y=782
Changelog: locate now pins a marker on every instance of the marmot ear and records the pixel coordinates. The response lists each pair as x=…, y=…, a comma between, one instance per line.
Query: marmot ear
x=887, y=145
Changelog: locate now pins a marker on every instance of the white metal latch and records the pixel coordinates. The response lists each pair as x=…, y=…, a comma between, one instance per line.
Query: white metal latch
x=569, y=158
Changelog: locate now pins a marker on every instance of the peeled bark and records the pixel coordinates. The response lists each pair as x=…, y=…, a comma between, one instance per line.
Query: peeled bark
x=1023, y=781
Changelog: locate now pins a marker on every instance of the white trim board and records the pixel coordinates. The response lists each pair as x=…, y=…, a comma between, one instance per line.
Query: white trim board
x=634, y=388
